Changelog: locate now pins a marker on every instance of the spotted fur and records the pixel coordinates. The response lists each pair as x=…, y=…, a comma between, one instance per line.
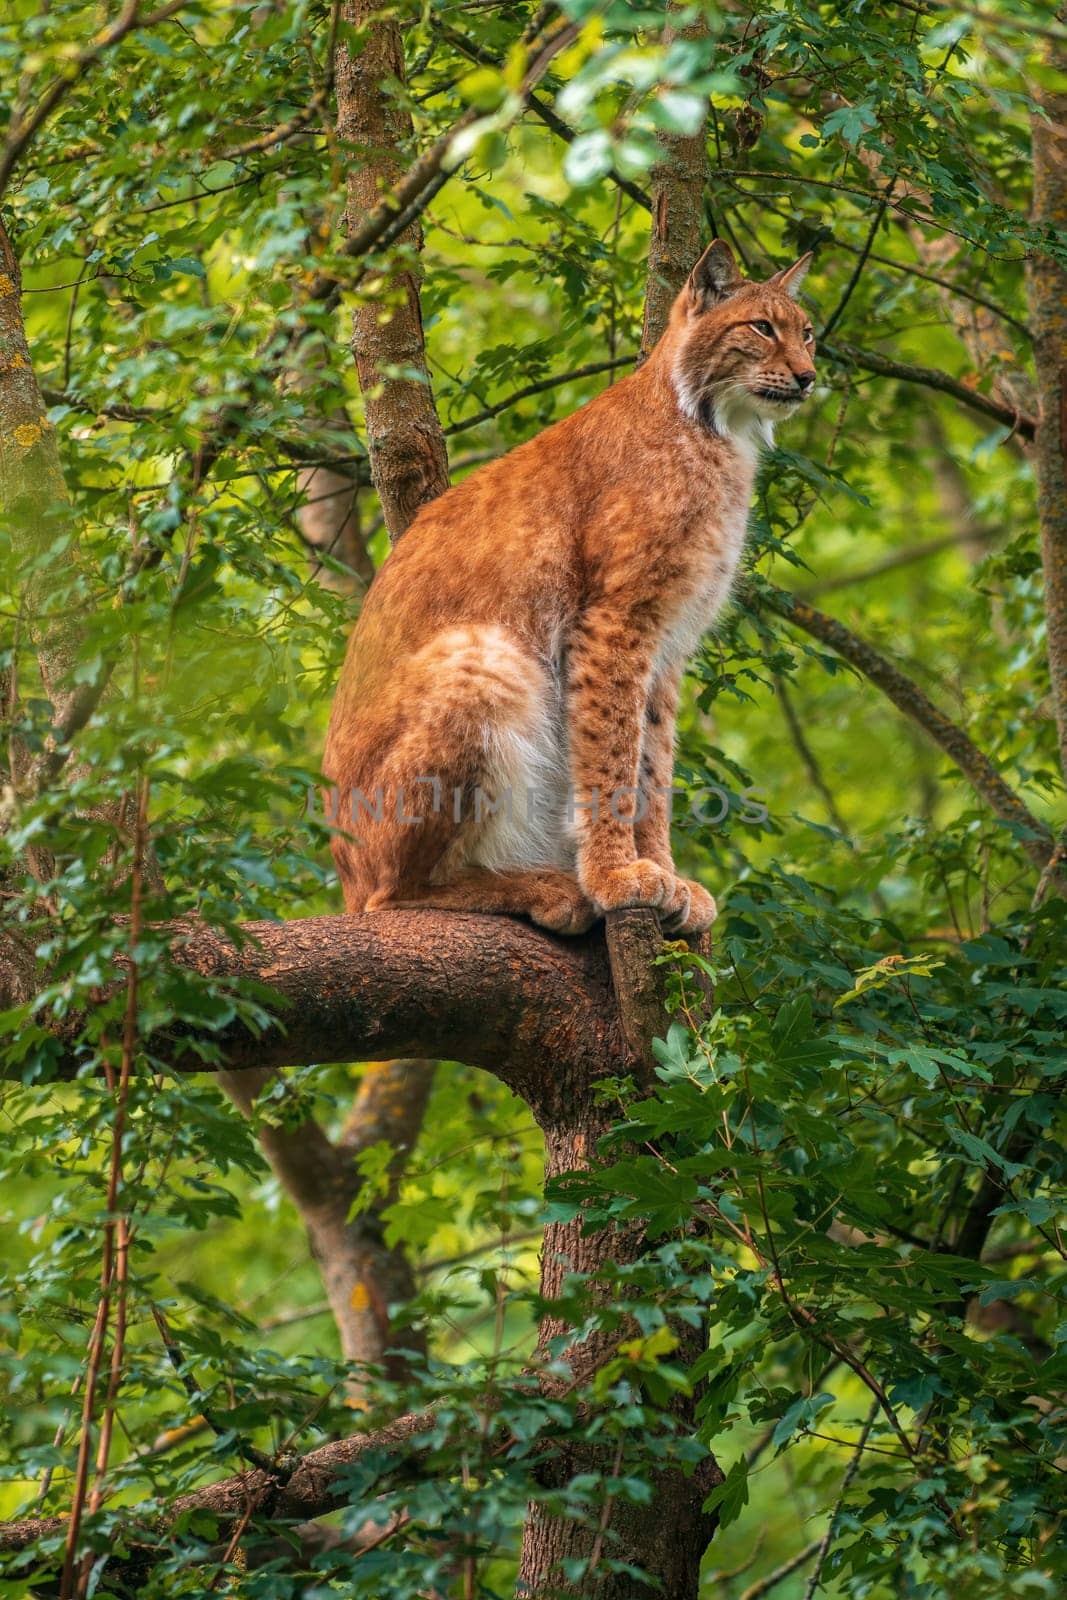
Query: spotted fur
x=527, y=636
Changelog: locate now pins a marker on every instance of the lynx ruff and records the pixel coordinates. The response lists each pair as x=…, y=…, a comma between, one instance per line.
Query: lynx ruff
x=528, y=634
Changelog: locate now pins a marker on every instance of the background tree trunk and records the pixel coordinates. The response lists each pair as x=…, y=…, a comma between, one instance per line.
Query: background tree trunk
x=409, y=463
x=362, y=1275
x=1048, y=318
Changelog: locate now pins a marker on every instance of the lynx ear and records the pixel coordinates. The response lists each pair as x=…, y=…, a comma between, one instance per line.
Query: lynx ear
x=790, y=278
x=714, y=277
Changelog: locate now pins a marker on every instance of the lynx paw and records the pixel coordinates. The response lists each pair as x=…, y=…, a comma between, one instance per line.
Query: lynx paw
x=561, y=911
x=640, y=883
x=700, y=912
x=683, y=906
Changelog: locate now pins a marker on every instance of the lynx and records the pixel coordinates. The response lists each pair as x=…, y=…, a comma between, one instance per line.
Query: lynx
x=502, y=735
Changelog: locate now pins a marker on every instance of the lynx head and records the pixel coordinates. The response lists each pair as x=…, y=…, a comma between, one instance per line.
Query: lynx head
x=742, y=352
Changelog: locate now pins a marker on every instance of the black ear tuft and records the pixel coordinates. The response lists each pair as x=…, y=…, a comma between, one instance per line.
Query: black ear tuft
x=790, y=278
x=714, y=277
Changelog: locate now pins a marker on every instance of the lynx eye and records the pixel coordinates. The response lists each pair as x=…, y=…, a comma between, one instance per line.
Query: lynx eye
x=809, y=335
x=764, y=328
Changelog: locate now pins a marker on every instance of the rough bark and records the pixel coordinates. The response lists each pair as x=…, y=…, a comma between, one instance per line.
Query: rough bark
x=668, y=1536
x=409, y=463
x=364, y=1278
x=677, y=216
x=491, y=991
x=33, y=494
x=538, y=1012
x=1048, y=318
x=305, y=1488
x=35, y=508
x=330, y=522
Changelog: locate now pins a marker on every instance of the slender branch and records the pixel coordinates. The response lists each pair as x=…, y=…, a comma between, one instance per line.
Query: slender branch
x=115, y=410
x=541, y=386
x=993, y=19
x=857, y=271
x=906, y=695
x=900, y=558
x=808, y=756
x=282, y=132
x=763, y=1586
x=243, y=1448
x=931, y=378
x=540, y=108
x=831, y=1527
x=953, y=288
x=399, y=209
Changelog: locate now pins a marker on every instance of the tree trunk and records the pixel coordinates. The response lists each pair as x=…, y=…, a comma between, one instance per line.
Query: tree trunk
x=363, y=1277
x=667, y=1535
x=1048, y=319
x=677, y=217
x=409, y=464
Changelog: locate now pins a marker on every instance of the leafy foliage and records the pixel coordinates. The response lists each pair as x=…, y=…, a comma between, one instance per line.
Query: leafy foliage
x=852, y=1175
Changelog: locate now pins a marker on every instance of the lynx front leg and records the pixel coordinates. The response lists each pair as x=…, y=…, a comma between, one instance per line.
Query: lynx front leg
x=652, y=833
x=609, y=671
x=653, y=830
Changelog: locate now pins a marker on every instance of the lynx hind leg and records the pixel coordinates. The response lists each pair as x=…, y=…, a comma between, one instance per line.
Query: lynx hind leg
x=478, y=734
x=551, y=899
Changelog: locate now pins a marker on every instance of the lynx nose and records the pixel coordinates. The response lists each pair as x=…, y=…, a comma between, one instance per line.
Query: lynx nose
x=805, y=381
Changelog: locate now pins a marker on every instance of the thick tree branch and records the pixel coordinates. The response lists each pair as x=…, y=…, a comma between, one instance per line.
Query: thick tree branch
x=491, y=991
x=298, y=1492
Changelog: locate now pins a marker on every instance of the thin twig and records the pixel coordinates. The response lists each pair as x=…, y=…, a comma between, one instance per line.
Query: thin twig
x=248, y=1452
x=899, y=558
x=857, y=271
x=590, y=370
x=846, y=1483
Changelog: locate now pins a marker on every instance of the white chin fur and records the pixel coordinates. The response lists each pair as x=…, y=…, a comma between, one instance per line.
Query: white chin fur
x=739, y=416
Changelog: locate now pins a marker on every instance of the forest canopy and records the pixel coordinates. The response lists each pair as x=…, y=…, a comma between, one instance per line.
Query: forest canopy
x=425, y=1255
